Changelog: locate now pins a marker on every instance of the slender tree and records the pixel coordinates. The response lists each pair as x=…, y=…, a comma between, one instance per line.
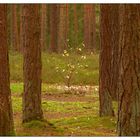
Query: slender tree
x=75, y=24
x=43, y=26
x=21, y=29
x=32, y=63
x=105, y=63
x=6, y=116
x=89, y=27
x=15, y=33
x=67, y=25
x=93, y=27
x=129, y=74
x=53, y=27
x=86, y=26
x=62, y=28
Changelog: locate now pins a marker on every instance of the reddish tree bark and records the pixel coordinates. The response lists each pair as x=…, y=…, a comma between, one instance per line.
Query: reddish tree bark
x=75, y=24
x=32, y=63
x=62, y=28
x=89, y=27
x=15, y=33
x=53, y=27
x=21, y=29
x=43, y=26
x=6, y=115
x=129, y=74
x=105, y=63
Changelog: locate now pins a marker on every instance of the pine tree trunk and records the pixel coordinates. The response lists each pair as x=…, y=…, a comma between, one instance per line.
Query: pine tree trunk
x=114, y=43
x=129, y=79
x=86, y=26
x=89, y=27
x=32, y=63
x=53, y=27
x=105, y=64
x=93, y=28
x=43, y=27
x=75, y=25
x=67, y=26
x=62, y=28
x=15, y=33
x=6, y=115
x=21, y=29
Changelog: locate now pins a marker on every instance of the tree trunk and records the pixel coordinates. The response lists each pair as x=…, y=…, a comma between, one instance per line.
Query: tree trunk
x=86, y=26
x=53, y=27
x=43, y=27
x=32, y=63
x=6, y=114
x=21, y=30
x=114, y=43
x=105, y=63
x=93, y=28
x=67, y=26
x=89, y=27
x=15, y=33
x=62, y=26
x=129, y=78
x=75, y=25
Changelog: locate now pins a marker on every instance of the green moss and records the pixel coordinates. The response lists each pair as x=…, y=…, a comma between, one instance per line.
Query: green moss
x=16, y=87
x=87, y=125
x=35, y=124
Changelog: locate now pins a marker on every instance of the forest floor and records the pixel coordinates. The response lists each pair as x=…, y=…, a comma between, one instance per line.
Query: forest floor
x=64, y=114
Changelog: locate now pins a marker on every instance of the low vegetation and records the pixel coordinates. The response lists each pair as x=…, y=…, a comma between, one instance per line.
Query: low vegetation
x=85, y=75
x=63, y=116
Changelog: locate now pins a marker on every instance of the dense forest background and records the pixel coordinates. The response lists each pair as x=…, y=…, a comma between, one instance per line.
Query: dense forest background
x=73, y=20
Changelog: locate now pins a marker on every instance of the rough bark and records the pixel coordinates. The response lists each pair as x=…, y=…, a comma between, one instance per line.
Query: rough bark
x=129, y=74
x=15, y=33
x=105, y=63
x=32, y=63
x=114, y=43
x=53, y=27
x=6, y=115
x=43, y=26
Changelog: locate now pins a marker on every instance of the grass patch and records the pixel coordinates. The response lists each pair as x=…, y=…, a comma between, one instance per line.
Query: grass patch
x=54, y=106
x=46, y=88
x=88, y=125
x=65, y=107
x=17, y=104
x=35, y=124
x=88, y=121
x=85, y=76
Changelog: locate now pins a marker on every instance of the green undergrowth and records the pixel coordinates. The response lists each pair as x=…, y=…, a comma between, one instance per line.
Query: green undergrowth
x=35, y=124
x=87, y=125
x=17, y=88
x=67, y=107
x=85, y=76
x=57, y=106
